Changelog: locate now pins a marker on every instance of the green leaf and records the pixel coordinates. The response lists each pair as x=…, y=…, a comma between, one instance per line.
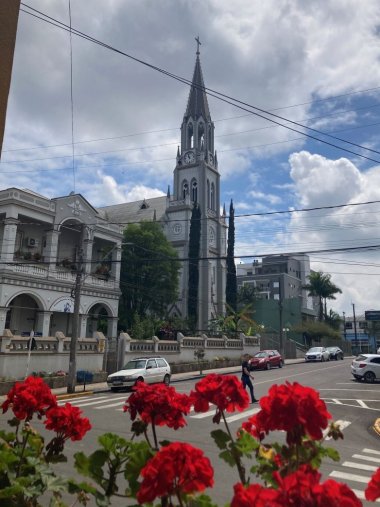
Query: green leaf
x=227, y=457
x=221, y=438
x=332, y=453
x=246, y=443
x=202, y=501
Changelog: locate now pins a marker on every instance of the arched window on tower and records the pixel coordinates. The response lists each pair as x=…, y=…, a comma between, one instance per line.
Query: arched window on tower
x=194, y=191
x=185, y=189
x=208, y=193
x=212, y=196
x=210, y=146
x=201, y=136
x=190, y=136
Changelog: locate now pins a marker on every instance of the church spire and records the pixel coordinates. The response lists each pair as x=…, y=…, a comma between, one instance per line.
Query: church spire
x=197, y=104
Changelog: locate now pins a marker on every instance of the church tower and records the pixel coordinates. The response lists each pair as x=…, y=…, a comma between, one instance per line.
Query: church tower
x=197, y=180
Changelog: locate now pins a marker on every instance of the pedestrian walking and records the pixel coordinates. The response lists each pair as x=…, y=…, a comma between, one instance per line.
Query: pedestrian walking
x=247, y=378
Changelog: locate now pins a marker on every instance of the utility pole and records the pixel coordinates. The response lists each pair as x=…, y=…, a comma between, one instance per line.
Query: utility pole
x=71, y=381
x=344, y=326
x=356, y=334
x=281, y=306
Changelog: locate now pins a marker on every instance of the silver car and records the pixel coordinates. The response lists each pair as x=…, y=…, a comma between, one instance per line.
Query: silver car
x=140, y=369
x=366, y=367
x=317, y=354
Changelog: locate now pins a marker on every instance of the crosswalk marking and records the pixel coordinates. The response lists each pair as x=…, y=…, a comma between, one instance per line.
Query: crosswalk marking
x=97, y=401
x=349, y=477
x=76, y=400
x=371, y=451
x=366, y=458
x=336, y=401
x=342, y=424
x=359, y=466
x=247, y=413
x=362, y=404
x=360, y=494
x=111, y=405
x=202, y=415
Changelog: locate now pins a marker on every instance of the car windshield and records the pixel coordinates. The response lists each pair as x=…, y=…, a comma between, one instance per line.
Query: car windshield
x=135, y=365
x=261, y=354
x=361, y=358
x=332, y=349
x=315, y=349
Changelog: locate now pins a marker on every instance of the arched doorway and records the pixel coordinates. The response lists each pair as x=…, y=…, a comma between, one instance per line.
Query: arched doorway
x=98, y=316
x=22, y=315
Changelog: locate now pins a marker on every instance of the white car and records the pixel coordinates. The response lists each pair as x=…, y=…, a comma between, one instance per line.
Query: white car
x=317, y=354
x=366, y=367
x=140, y=369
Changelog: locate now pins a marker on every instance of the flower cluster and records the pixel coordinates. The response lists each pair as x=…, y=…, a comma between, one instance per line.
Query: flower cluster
x=301, y=488
x=67, y=422
x=293, y=408
x=160, y=405
x=372, y=492
x=30, y=397
x=224, y=391
x=176, y=469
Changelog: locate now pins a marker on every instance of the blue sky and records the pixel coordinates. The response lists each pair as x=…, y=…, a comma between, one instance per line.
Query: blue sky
x=316, y=63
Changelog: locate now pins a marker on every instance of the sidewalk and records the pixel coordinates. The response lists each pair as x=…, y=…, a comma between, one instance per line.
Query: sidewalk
x=101, y=387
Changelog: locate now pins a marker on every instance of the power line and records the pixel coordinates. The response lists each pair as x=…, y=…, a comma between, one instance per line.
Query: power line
x=213, y=93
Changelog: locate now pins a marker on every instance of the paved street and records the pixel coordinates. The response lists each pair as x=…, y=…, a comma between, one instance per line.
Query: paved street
x=355, y=405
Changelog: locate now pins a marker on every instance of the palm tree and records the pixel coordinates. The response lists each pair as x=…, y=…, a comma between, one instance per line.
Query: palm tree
x=321, y=286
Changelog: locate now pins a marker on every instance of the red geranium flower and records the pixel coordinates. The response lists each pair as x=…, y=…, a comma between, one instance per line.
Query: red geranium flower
x=178, y=468
x=159, y=404
x=67, y=422
x=373, y=489
x=224, y=391
x=29, y=397
x=293, y=408
x=256, y=495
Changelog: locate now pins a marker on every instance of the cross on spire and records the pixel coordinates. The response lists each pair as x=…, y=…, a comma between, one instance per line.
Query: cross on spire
x=198, y=43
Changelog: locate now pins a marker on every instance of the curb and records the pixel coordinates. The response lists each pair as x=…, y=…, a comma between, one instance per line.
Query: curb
x=376, y=426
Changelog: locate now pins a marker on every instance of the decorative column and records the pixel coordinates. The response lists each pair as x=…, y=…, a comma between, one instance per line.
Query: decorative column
x=83, y=325
x=50, y=252
x=87, y=254
x=112, y=327
x=9, y=239
x=116, y=264
x=43, y=322
x=3, y=318
x=61, y=338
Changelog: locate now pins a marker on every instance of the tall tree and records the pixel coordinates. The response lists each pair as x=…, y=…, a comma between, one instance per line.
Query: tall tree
x=321, y=286
x=194, y=249
x=149, y=273
x=231, y=285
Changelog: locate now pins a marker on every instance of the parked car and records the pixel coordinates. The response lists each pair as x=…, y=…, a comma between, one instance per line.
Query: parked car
x=366, y=367
x=317, y=354
x=144, y=369
x=335, y=353
x=266, y=359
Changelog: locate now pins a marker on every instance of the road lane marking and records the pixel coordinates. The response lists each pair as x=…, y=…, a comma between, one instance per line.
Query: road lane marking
x=336, y=401
x=349, y=477
x=202, y=415
x=351, y=405
x=296, y=375
x=362, y=404
x=87, y=404
x=247, y=413
x=366, y=458
x=344, y=389
x=342, y=425
x=349, y=399
x=78, y=400
x=360, y=494
x=110, y=405
x=359, y=466
x=371, y=451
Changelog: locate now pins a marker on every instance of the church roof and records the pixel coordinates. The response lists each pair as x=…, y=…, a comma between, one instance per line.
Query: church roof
x=197, y=104
x=136, y=211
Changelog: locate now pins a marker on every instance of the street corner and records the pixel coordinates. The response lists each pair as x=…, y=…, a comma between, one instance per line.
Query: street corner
x=376, y=426
x=73, y=395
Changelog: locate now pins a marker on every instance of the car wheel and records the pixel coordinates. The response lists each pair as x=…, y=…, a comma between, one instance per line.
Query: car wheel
x=322, y=359
x=114, y=389
x=280, y=365
x=370, y=377
x=342, y=357
x=140, y=379
x=267, y=367
x=167, y=379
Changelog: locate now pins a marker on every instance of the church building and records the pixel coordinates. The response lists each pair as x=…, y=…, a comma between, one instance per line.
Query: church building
x=196, y=180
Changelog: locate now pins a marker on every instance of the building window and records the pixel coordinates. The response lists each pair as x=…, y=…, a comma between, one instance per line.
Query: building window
x=194, y=191
x=185, y=189
x=212, y=196
x=208, y=193
x=190, y=136
x=348, y=325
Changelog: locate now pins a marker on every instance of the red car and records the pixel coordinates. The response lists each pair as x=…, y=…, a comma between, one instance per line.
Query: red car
x=266, y=359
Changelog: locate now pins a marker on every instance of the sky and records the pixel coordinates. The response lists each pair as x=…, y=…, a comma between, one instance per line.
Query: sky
x=315, y=63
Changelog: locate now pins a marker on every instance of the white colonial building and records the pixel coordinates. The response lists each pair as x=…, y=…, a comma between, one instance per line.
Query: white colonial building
x=196, y=180
x=43, y=243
